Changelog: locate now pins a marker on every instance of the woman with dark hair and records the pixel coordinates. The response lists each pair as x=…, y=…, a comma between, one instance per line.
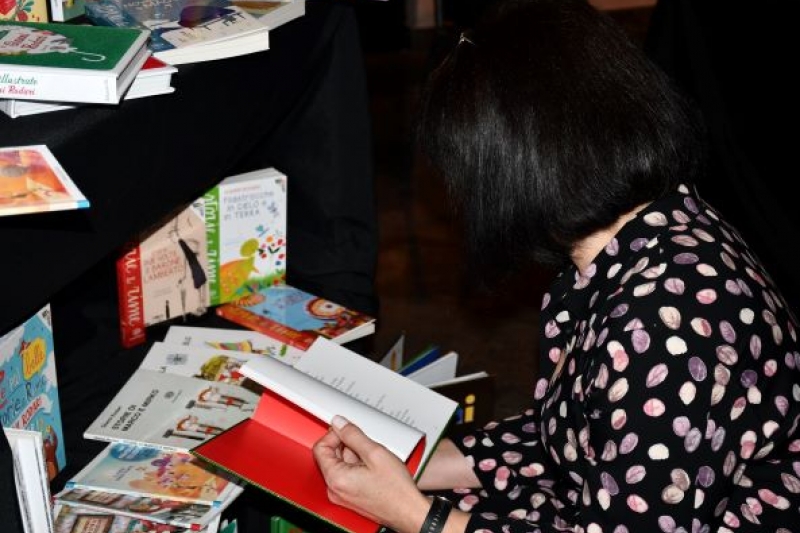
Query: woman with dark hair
x=670, y=390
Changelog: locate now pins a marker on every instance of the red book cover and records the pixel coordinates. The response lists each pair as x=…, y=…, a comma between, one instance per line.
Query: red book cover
x=131, y=299
x=298, y=339
x=272, y=450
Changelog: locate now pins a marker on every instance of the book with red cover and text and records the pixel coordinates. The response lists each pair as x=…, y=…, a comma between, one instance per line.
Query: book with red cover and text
x=272, y=449
x=296, y=317
x=33, y=181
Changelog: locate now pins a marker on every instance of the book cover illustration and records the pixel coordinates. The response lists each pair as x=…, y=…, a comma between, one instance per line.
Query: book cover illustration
x=239, y=340
x=171, y=411
x=162, y=510
x=177, y=24
x=296, y=317
x=163, y=275
x=69, y=62
x=32, y=180
x=70, y=519
x=246, y=230
x=29, y=388
x=144, y=471
x=24, y=10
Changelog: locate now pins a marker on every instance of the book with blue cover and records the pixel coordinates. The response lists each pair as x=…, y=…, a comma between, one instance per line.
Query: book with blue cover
x=29, y=388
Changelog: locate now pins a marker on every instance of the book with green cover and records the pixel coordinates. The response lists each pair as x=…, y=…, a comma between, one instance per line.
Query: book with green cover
x=69, y=62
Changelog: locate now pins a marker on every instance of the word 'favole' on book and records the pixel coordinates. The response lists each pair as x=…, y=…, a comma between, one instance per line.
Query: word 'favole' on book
x=273, y=448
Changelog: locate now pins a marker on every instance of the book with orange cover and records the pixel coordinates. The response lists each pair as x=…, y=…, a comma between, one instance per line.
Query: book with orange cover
x=272, y=449
x=296, y=317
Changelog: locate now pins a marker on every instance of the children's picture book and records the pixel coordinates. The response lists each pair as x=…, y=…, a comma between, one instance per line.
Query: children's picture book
x=144, y=471
x=162, y=274
x=170, y=411
x=69, y=62
x=24, y=11
x=296, y=317
x=246, y=234
x=31, y=479
x=154, y=78
x=272, y=449
x=69, y=519
x=238, y=340
x=186, y=31
x=194, y=516
x=29, y=386
x=33, y=181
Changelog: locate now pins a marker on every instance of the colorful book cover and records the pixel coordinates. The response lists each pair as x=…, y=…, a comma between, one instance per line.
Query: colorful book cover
x=69, y=62
x=239, y=340
x=70, y=519
x=162, y=275
x=33, y=181
x=179, y=513
x=170, y=411
x=246, y=231
x=24, y=10
x=179, y=25
x=29, y=388
x=296, y=317
x=149, y=472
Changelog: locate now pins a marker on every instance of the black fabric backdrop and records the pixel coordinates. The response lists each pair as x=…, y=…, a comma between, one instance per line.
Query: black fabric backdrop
x=301, y=107
x=735, y=59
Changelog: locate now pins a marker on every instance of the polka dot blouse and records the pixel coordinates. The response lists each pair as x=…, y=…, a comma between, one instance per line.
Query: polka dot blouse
x=674, y=399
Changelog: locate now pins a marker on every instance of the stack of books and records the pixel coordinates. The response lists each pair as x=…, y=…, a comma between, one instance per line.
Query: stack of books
x=52, y=66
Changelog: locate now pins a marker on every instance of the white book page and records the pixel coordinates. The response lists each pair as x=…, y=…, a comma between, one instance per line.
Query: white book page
x=249, y=341
x=30, y=472
x=459, y=379
x=439, y=370
x=324, y=401
x=386, y=390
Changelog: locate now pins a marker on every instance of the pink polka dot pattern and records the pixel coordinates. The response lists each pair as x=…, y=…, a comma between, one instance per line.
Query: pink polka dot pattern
x=677, y=404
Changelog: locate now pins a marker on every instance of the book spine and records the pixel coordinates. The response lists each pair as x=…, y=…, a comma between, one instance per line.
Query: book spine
x=20, y=83
x=299, y=339
x=131, y=297
x=211, y=199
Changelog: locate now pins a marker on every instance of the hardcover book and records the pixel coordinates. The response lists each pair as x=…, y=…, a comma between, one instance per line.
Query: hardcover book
x=69, y=519
x=33, y=181
x=239, y=340
x=31, y=479
x=154, y=78
x=170, y=411
x=29, y=388
x=69, y=62
x=144, y=471
x=186, y=31
x=246, y=233
x=296, y=317
x=272, y=449
x=210, y=364
x=162, y=275
x=24, y=10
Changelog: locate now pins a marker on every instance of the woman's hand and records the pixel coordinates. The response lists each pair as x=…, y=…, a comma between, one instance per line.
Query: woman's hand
x=364, y=476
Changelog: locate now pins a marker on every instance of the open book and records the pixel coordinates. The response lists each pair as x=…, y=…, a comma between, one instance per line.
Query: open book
x=272, y=449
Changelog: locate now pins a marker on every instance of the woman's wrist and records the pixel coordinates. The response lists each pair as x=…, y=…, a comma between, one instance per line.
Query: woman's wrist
x=437, y=515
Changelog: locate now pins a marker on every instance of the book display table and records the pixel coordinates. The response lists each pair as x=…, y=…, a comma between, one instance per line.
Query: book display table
x=301, y=107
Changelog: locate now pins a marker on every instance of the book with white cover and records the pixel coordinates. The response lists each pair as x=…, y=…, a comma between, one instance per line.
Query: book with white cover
x=210, y=364
x=239, y=340
x=30, y=478
x=170, y=411
x=441, y=369
x=273, y=13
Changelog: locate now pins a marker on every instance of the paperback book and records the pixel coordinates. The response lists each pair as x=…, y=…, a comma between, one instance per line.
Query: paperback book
x=31, y=479
x=246, y=233
x=170, y=411
x=147, y=472
x=186, y=31
x=69, y=62
x=154, y=78
x=210, y=364
x=33, y=181
x=296, y=317
x=162, y=275
x=272, y=449
x=24, y=10
x=69, y=519
x=238, y=340
x=29, y=386
x=273, y=14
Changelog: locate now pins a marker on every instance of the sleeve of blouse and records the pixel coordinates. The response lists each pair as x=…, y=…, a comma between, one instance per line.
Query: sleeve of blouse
x=676, y=412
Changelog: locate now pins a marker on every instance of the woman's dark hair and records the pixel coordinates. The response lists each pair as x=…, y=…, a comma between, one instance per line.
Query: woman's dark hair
x=548, y=123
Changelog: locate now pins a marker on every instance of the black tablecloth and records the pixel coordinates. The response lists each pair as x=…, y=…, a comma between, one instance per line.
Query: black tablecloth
x=301, y=107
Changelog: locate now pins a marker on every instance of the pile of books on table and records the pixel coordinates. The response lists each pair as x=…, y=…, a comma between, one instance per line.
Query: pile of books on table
x=129, y=49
